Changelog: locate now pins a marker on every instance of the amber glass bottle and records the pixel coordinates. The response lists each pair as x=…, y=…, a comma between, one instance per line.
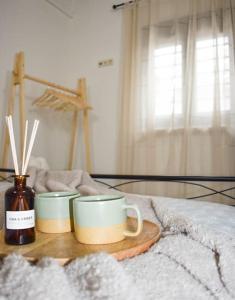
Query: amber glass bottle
x=19, y=213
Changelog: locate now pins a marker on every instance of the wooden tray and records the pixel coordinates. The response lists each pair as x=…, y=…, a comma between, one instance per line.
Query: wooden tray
x=64, y=247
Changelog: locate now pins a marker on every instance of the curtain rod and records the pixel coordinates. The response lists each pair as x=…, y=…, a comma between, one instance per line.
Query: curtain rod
x=120, y=5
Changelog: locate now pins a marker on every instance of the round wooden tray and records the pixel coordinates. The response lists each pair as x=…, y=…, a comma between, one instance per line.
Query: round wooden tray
x=64, y=247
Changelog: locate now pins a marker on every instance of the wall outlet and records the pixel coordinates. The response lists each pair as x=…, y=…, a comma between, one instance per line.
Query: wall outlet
x=105, y=63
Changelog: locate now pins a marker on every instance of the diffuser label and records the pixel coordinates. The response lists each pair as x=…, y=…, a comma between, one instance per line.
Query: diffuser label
x=20, y=219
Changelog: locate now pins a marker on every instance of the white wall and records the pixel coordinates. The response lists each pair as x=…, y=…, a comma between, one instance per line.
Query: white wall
x=62, y=50
x=96, y=33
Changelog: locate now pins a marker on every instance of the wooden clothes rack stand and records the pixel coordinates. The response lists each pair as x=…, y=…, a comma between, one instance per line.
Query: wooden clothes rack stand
x=58, y=98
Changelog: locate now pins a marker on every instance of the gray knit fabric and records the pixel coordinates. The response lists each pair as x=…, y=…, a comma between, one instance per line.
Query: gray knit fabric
x=93, y=277
x=195, y=258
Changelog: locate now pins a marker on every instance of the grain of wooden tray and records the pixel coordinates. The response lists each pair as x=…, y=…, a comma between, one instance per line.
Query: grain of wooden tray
x=64, y=247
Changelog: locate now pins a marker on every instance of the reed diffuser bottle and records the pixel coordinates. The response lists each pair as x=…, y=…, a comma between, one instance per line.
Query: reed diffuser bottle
x=19, y=200
x=19, y=213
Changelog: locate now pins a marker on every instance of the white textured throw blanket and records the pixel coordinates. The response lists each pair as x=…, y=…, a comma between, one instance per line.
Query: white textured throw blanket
x=194, y=259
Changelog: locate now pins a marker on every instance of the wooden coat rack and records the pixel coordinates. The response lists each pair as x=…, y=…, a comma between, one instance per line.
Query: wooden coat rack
x=56, y=97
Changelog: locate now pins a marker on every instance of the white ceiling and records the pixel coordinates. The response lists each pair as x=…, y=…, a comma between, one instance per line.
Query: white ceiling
x=67, y=7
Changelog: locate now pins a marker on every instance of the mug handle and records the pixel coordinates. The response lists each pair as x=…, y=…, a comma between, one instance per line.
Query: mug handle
x=139, y=221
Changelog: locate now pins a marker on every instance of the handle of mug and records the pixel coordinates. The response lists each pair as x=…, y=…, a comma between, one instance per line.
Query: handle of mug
x=139, y=221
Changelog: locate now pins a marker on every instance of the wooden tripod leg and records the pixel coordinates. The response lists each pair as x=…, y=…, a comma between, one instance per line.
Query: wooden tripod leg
x=87, y=140
x=83, y=91
x=10, y=110
x=73, y=140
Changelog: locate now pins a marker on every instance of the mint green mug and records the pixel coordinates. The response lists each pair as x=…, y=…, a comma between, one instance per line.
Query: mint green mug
x=54, y=211
x=102, y=219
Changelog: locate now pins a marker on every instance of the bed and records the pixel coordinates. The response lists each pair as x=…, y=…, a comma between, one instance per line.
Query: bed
x=194, y=259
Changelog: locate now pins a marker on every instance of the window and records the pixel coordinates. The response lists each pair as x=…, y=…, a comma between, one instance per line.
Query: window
x=168, y=77
x=212, y=71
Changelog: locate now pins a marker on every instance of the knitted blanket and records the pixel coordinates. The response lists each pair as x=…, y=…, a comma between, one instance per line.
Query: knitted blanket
x=194, y=259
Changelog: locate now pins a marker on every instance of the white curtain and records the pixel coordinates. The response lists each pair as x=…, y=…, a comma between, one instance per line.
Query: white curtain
x=178, y=108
